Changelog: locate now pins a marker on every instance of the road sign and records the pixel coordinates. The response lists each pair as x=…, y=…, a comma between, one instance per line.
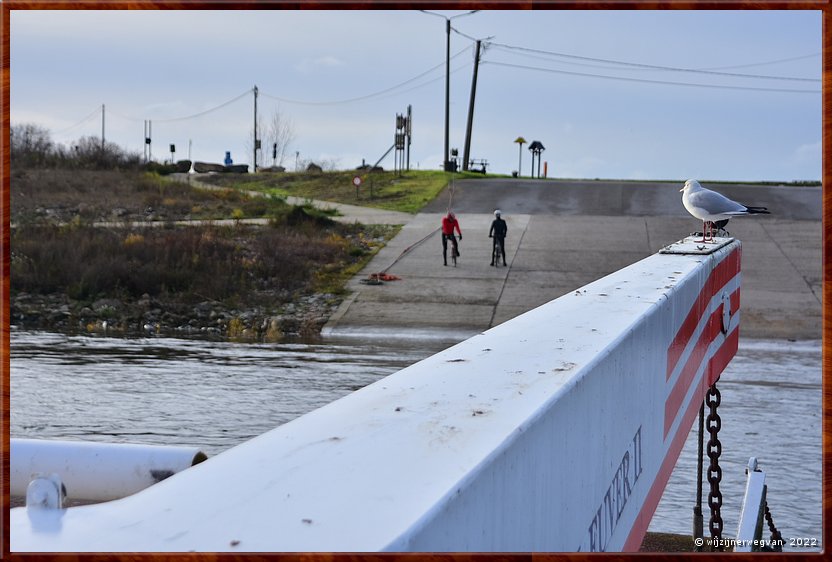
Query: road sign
x=356, y=181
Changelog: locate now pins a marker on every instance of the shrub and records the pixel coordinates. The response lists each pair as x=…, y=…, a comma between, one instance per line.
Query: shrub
x=225, y=264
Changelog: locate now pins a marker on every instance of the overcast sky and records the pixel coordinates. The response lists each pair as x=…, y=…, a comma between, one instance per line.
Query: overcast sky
x=552, y=76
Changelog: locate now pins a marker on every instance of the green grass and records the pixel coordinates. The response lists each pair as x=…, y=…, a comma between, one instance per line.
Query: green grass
x=407, y=193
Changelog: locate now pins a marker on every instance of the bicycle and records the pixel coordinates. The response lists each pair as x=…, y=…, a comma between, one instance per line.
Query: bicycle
x=454, y=247
x=497, y=253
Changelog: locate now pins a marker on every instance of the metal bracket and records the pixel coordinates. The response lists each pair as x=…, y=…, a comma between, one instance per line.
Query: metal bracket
x=726, y=312
x=45, y=491
x=692, y=246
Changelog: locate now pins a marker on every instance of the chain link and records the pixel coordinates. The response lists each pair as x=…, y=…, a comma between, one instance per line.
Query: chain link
x=776, y=537
x=713, y=424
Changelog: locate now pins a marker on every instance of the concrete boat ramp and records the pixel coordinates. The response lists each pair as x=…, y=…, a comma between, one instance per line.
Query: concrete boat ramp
x=561, y=237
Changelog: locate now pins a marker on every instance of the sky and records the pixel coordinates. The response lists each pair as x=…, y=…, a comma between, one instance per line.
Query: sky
x=711, y=95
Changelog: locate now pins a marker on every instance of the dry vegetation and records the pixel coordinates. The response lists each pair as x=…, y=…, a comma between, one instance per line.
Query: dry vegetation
x=61, y=195
x=70, y=274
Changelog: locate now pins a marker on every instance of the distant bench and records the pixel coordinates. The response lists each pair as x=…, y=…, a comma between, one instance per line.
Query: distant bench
x=482, y=164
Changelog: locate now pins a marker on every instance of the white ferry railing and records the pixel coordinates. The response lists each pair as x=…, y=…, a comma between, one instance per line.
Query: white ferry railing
x=555, y=431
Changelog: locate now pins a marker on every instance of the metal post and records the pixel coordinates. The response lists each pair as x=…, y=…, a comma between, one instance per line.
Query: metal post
x=520, y=161
x=409, y=130
x=698, y=523
x=102, y=127
x=254, y=167
x=447, y=92
x=521, y=141
x=467, y=151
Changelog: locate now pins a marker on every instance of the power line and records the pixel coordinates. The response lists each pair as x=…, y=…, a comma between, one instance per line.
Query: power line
x=84, y=120
x=654, y=67
x=431, y=81
x=195, y=115
x=372, y=95
x=643, y=80
x=207, y=111
x=764, y=63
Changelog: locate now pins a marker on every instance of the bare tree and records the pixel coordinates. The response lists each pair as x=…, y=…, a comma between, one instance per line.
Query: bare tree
x=279, y=135
x=276, y=135
x=30, y=144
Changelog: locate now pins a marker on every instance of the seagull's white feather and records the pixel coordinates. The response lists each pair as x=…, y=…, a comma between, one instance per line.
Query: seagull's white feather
x=708, y=205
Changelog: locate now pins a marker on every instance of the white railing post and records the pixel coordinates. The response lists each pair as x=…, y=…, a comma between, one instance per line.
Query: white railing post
x=750, y=527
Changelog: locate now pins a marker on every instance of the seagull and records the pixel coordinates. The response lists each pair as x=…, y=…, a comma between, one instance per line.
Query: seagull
x=712, y=207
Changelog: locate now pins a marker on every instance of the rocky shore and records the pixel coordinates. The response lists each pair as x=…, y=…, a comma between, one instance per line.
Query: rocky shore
x=301, y=317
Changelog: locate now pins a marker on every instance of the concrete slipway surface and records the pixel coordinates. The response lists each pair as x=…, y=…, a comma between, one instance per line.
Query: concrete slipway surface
x=563, y=234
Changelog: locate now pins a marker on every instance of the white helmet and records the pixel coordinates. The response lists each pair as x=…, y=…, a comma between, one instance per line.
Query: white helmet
x=497, y=213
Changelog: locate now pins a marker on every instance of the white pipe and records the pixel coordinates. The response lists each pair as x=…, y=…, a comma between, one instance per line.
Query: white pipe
x=96, y=471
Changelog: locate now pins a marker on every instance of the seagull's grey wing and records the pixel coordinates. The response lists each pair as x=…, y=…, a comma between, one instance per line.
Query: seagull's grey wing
x=715, y=203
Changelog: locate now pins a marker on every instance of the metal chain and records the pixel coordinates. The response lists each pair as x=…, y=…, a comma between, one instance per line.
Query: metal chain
x=713, y=398
x=776, y=537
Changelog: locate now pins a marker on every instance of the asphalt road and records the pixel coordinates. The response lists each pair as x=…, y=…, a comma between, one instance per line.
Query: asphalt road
x=615, y=198
x=563, y=235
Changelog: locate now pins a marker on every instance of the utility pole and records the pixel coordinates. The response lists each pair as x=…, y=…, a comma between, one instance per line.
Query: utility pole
x=447, y=163
x=254, y=167
x=102, y=127
x=447, y=91
x=409, y=132
x=466, y=153
x=146, y=139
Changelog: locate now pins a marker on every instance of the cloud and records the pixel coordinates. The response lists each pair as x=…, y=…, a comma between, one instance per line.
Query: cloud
x=807, y=153
x=307, y=66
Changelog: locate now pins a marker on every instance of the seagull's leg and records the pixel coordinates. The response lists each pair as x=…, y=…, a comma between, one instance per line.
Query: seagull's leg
x=704, y=224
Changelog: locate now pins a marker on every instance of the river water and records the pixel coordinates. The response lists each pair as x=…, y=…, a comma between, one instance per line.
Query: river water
x=215, y=395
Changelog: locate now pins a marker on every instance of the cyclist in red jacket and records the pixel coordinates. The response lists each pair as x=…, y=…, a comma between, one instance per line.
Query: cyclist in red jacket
x=449, y=223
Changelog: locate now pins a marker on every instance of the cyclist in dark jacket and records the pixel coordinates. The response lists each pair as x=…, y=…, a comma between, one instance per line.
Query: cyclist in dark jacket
x=498, y=232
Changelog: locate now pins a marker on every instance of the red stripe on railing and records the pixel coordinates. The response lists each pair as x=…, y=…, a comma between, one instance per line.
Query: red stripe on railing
x=721, y=274
x=654, y=495
x=722, y=357
x=680, y=389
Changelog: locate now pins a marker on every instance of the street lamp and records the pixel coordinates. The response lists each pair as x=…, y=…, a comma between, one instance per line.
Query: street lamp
x=520, y=141
x=536, y=148
x=447, y=163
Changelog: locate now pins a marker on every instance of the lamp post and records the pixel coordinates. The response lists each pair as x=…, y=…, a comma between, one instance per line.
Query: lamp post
x=520, y=141
x=536, y=148
x=447, y=163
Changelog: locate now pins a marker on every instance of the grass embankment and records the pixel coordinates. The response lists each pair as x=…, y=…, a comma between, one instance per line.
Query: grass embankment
x=83, y=196
x=258, y=282
x=408, y=192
